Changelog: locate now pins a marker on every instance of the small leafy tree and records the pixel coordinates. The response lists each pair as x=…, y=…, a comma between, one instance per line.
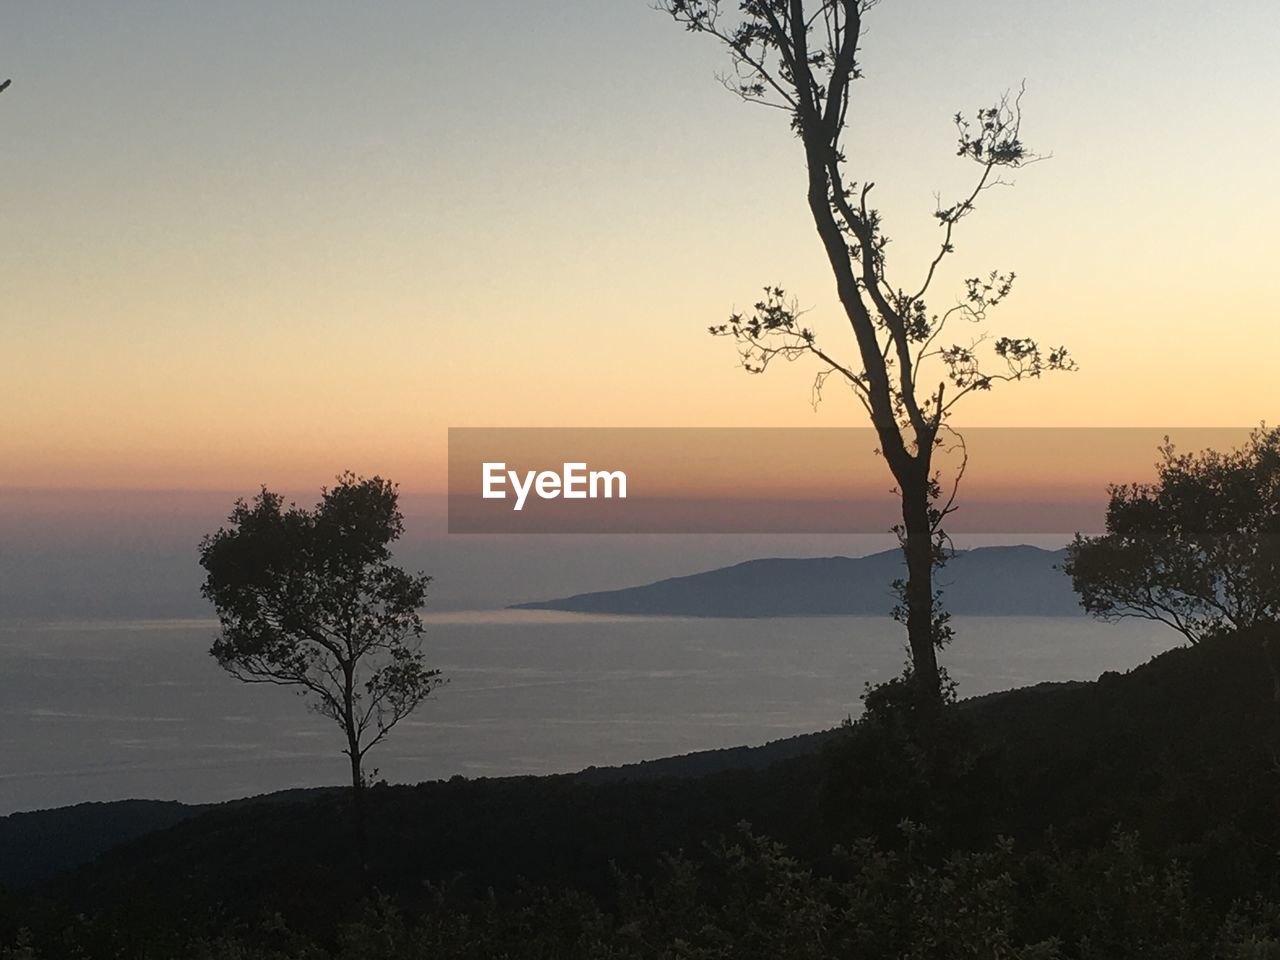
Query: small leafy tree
x=803, y=58
x=1198, y=550
x=311, y=599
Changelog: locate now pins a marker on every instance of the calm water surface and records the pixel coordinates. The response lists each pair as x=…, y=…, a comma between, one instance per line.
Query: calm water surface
x=106, y=710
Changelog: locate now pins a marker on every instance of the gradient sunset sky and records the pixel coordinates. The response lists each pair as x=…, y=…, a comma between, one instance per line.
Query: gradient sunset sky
x=258, y=242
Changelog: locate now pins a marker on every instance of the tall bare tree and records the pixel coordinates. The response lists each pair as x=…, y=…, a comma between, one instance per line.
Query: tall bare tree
x=803, y=58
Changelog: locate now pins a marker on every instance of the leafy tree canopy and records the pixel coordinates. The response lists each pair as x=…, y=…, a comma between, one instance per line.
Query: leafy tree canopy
x=311, y=599
x=1199, y=549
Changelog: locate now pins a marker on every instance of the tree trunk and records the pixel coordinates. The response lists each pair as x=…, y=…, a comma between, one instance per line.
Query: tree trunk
x=357, y=775
x=354, y=755
x=911, y=472
x=358, y=834
x=917, y=547
x=349, y=723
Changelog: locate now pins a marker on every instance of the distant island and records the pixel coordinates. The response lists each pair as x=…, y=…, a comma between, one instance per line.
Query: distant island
x=986, y=581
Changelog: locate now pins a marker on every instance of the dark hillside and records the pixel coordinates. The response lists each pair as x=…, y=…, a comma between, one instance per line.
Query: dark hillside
x=1180, y=749
x=35, y=846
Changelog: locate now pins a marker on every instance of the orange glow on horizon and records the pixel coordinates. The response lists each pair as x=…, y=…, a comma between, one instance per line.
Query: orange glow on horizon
x=294, y=280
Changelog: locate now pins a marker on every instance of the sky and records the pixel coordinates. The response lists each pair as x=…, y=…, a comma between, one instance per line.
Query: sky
x=255, y=242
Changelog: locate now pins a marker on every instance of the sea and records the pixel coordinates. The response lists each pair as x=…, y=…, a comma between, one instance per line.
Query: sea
x=112, y=709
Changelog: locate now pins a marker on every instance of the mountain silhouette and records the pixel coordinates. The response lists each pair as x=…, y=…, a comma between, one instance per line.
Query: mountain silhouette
x=986, y=581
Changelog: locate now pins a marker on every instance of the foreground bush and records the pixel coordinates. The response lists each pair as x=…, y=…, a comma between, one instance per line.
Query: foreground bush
x=746, y=898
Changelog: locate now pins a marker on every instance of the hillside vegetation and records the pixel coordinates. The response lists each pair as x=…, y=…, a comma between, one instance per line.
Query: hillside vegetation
x=1138, y=810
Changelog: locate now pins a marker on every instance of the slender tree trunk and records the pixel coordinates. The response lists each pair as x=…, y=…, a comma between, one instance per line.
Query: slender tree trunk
x=357, y=775
x=353, y=754
x=912, y=472
x=359, y=835
x=917, y=547
x=349, y=724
